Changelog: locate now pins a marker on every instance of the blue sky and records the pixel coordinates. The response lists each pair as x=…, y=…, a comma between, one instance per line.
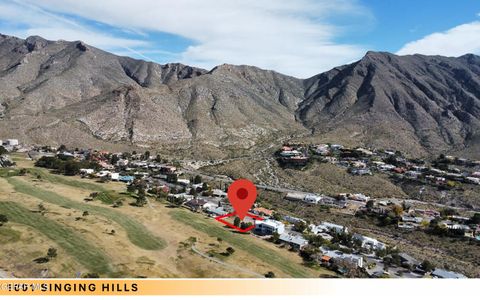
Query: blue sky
x=296, y=37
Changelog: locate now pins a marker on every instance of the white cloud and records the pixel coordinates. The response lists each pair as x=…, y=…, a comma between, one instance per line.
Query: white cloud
x=36, y=21
x=293, y=37
x=457, y=41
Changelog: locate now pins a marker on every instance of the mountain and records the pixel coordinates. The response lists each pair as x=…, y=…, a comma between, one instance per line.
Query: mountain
x=54, y=92
x=417, y=103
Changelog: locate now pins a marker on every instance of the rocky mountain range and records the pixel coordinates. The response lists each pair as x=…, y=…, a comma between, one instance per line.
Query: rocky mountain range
x=54, y=92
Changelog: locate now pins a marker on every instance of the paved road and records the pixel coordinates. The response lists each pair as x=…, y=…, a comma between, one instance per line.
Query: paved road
x=230, y=266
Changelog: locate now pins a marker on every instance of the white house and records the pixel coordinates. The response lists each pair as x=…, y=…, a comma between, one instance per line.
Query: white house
x=87, y=171
x=295, y=196
x=369, y=243
x=268, y=227
x=312, y=199
x=219, y=193
x=340, y=256
x=11, y=142
x=184, y=182
x=296, y=240
x=103, y=173
x=326, y=227
x=115, y=176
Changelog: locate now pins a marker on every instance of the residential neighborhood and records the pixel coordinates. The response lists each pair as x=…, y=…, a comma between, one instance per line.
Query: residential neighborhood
x=327, y=244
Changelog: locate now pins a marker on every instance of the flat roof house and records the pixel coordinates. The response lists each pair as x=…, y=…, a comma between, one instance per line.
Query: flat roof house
x=295, y=240
x=268, y=227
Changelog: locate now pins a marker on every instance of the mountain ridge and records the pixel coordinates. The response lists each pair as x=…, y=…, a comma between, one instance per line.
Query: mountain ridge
x=71, y=92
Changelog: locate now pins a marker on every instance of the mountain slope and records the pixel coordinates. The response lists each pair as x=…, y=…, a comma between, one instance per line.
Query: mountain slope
x=75, y=93
x=55, y=92
x=410, y=102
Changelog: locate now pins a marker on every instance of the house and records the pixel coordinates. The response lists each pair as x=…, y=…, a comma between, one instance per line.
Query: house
x=325, y=236
x=407, y=261
x=290, y=153
x=360, y=172
x=103, y=173
x=295, y=196
x=87, y=171
x=406, y=218
x=219, y=193
x=312, y=199
x=295, y=240
x=168, y=169
x=263, y=211
x=196, y=204
x=441, y=273
x=368, y=242
x=114, y=176
x=293, y=220
x=269, y=226
x=11, y=142
x=216, y=211
x=326, y=227
x=183, y=196
x=126, y=179
x=183, y=182
x=337, y=255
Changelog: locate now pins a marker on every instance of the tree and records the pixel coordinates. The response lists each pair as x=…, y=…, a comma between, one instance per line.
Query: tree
x=237, y=221
x=3, y=150
x=3, y=219
x=22, y=172
x=41, y=207
x=397, y=210
x=204, y=186
x=62, y=148
x=85, y=213
x=51, y=253
x=141, y=200
x=71, y=168
x=158, y=159
x=269, y=274
x=176, y=201
x=475, y=219
x=230, y=250
x=276, y=216
x=114, y=159
x=244, y=225
x=146, y=155
x=370, y=204
x=308, y=253
x=300, y=226
x=275, y=237
x=427, y=266
x=197, y=179
x=447, y=211
x=131, y=188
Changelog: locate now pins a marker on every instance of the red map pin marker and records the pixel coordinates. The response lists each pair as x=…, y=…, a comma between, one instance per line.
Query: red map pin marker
x=242, y=194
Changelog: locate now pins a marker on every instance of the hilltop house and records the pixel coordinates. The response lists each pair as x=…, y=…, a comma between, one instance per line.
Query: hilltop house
x=326, y=227
x=269, y=226
x=368, y=242
x=338, y=255
x=295, y=240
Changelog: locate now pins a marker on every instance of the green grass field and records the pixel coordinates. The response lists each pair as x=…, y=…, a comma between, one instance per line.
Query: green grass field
x=241, y=242
x=85, y=253
x=60, y=179
x=6, y=172
x=137, y=233
x=8, y=235
x=109, y=197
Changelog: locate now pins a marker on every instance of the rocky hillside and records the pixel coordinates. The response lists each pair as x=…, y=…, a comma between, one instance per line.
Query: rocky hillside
x=55, y=92
x=413, y=102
